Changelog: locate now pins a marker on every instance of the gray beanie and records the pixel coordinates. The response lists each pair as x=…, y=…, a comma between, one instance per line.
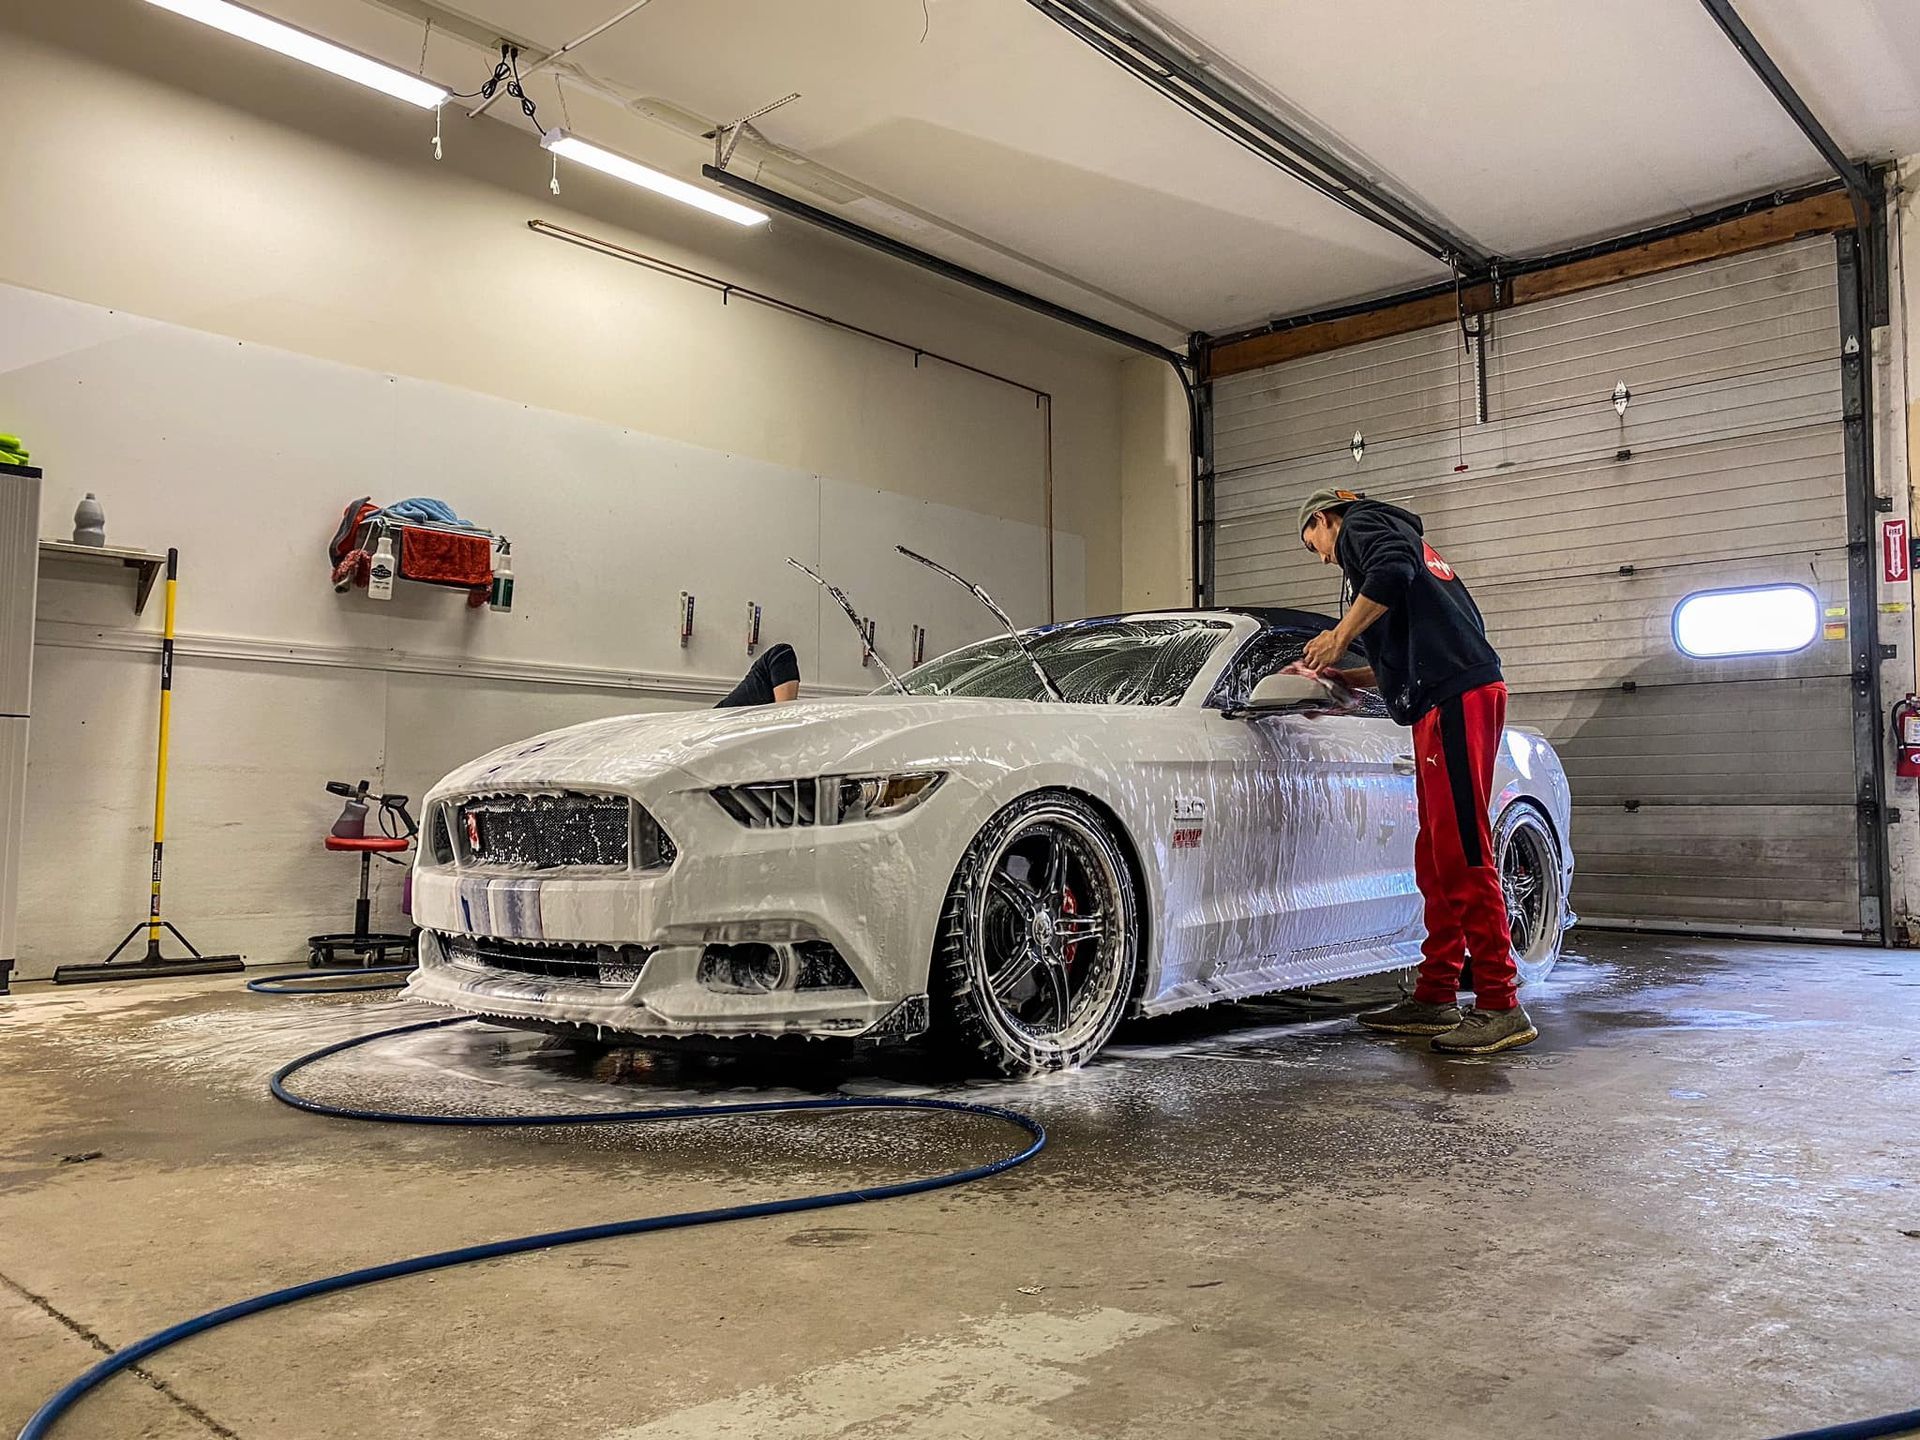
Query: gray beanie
x=1326, y=500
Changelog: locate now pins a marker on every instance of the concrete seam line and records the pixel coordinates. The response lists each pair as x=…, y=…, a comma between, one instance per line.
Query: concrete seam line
x=92, y=1337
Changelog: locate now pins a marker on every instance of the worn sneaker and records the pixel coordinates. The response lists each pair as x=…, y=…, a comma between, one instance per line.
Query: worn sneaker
x=1412, y=1017
x=1485, y=1032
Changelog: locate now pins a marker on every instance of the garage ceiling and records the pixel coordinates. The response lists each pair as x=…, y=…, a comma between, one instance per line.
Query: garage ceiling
x=981, y=130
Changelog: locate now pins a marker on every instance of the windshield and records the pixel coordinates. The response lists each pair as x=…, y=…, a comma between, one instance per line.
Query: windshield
x=1094, y=662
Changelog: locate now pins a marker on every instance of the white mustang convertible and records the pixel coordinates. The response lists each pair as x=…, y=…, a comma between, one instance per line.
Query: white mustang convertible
x=1021, y=843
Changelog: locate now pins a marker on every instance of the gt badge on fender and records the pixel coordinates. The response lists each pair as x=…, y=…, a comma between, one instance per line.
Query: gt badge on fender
x=1189, y=819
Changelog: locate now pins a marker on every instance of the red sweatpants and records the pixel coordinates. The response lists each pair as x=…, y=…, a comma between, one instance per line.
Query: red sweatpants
x=1454, y=748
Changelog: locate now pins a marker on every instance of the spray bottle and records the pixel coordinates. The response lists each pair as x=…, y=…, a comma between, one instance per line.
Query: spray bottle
x=380, y=577
x=502, y=596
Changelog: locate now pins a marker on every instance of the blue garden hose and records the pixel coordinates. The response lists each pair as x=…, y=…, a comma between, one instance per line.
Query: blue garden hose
x=283, y=984
x=48, y=1415
x=1903, y=1423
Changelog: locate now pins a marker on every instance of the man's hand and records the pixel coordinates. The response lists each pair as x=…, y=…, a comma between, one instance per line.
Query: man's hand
x=1323, y=650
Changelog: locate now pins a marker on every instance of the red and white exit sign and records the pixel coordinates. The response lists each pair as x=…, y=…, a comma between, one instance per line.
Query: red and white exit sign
x=1895, y=566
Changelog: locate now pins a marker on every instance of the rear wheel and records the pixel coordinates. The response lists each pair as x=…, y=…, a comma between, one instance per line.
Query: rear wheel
x=1039, y=938
x=1532, y=880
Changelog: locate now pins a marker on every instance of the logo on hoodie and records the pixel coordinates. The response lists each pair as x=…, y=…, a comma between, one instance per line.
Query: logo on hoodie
x=1440, y=568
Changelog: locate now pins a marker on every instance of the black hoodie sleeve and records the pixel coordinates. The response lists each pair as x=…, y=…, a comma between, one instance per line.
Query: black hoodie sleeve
x=1385, y=555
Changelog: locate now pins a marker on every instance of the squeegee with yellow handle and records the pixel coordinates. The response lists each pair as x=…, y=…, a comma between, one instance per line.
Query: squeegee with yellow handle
x=153, y=964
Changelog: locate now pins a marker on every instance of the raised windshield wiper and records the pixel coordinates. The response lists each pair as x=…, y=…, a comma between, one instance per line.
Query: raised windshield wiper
x=854, y=618
x=1046, y=680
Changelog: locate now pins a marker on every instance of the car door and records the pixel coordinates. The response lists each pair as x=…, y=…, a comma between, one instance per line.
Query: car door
x=1316, y=831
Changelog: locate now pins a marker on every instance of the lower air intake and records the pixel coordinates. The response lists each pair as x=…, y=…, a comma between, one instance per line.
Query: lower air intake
x=611, y=965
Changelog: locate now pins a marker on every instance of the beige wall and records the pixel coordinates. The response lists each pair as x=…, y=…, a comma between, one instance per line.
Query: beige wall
x=1156, y=491
x=161, y=168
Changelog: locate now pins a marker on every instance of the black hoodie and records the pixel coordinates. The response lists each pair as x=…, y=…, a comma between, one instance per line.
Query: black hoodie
x=1431, y=645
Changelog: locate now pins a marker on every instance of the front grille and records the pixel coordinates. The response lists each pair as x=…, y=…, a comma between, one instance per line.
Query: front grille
x=559, y=830
x=612, y=965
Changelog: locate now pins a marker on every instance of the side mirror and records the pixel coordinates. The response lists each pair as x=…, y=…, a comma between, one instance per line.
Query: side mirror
x=1280, y=694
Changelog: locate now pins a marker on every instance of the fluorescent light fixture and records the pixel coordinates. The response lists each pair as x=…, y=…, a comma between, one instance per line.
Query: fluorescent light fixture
x=299, y=45
x=1757, y=620
x=646, y=177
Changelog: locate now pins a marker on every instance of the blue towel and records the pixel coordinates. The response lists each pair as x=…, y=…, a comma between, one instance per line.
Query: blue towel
x=421, y=510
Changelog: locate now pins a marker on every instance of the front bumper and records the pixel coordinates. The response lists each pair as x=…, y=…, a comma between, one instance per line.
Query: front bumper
x=667, y=998
x=872, y=890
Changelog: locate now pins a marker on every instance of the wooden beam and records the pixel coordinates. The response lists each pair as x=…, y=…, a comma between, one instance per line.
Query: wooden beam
x=1817, y=215
x=1258, y=351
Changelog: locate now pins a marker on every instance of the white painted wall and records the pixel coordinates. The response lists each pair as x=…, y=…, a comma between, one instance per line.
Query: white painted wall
x=250, y=206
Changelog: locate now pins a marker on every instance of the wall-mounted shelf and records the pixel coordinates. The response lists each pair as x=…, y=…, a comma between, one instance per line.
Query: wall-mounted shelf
x=145, y=562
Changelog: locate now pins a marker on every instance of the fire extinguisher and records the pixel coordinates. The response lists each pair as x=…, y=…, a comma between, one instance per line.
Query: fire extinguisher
x=1906, y=735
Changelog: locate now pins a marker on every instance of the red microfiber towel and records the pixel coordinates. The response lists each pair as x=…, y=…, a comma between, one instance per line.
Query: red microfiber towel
x=442, y=557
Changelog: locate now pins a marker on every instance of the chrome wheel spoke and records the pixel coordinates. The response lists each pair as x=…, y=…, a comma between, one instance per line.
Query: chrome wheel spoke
x=1072, y=929
x=1018, y=969
x=1015, y=892
x=1520, y=928
x=1061, y=994
x=1055, y=889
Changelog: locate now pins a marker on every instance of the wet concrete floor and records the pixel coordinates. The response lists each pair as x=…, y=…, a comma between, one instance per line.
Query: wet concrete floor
x=1691, y=1209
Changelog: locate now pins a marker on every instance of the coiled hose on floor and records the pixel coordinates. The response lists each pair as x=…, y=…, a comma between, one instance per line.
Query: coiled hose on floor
x=294, y=984
x=1879, y=1428
x=48, y=1415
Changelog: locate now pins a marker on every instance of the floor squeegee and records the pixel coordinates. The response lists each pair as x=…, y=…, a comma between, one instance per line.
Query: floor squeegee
x=153, y=964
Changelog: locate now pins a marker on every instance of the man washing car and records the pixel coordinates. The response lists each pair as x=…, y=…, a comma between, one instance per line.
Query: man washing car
x=1434, y=668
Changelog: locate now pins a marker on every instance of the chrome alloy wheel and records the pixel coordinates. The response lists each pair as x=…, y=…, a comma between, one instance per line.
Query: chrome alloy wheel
x=1531, y=881
x=1053, y=930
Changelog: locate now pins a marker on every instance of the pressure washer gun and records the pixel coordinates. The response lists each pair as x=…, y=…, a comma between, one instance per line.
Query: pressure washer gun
x=352, y=824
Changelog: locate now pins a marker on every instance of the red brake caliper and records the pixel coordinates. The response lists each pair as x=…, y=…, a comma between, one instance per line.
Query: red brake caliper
x=1069, y=906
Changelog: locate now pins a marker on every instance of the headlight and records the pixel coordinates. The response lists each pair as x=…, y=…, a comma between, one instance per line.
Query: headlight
x=827, y=800
x=873, y=797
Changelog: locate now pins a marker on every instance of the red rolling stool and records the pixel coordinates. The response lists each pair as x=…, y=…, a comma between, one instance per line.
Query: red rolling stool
x=362, y=946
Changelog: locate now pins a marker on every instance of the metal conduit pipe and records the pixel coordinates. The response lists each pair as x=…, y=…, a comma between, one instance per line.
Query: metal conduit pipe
x=728, y=291
x=960, y=274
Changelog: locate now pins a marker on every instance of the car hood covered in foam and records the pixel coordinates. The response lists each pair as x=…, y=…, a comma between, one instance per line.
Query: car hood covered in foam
x=807, y=737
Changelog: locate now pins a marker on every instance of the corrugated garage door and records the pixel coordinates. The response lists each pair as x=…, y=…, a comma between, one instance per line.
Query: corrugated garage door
x=1710, y=793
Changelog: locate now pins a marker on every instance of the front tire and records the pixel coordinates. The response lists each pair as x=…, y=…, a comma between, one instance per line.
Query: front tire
x=1039, y=938
x=1533, y=880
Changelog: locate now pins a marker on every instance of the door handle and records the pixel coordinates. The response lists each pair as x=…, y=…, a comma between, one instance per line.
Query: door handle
x=1405, y=764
